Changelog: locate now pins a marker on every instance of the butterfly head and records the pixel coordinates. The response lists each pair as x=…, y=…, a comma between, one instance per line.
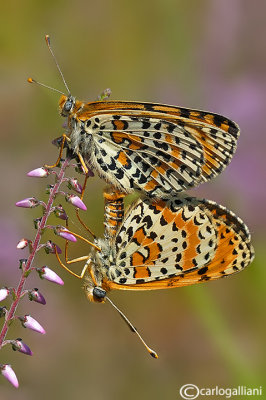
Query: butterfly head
x=93, y=283
x=66, y=105
x=95, y=294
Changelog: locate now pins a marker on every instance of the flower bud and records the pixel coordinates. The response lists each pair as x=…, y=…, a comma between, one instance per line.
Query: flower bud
x=37, y=222
x=29, y=202
x=49, y=247
x=23, y=243
x=90, y=172
x=3, y=311
x=18, y=345
x=35, y=295
x=60, y=212
x=50, y=275
x=9, y=374
x=39, y=173
x=22, y=263
x=80, y=169
x=4, y=292
x=58, y=142
x=49, y=189
x=105, y=94
x=28, y=322
x=64, y=233
x=73, y=184
x=76, y=201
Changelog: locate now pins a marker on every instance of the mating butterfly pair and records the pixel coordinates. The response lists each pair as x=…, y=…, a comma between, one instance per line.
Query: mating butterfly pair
x=167, y=239
x=160, y=150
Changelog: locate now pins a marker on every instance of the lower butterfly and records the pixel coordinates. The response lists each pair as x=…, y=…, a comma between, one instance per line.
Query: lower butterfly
x=164, y=244
x=153, y=148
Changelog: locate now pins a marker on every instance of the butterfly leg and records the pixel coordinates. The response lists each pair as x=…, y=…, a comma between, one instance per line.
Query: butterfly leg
x=82, y=162
x=65, y=139
x=75, y=260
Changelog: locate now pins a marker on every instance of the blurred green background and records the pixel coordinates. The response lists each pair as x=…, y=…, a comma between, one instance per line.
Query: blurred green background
x=207, y=54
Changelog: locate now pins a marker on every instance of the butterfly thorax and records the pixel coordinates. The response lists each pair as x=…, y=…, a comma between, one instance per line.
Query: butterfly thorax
x=105, y=259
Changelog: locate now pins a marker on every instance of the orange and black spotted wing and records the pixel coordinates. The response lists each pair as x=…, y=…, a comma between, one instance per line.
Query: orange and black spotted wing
x=176, y=243
x=154, y=148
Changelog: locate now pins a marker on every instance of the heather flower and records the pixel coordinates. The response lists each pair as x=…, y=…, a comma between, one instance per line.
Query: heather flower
x=39, y=172
x=28, y=322
x=73, y=184
x=76, y=201
x=9, y=374
x=18, y=345
x=60, y=212
x=4, y=292
x=79, y=168
x=23, y=243
x=50, y=275
x=49, y=189
x=35, y=295
x=22, y=263
x=58, y=141
x=64, y=233
x=29, y=202
x=50, y=246
x=3, y=311
x=37, y=222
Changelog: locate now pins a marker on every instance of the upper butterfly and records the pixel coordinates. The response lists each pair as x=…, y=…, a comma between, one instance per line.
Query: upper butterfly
x=157, y=149
x=154, y=148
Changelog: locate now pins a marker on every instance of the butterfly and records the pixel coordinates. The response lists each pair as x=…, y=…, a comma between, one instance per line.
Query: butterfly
x=163, y=244
x=166, y=244
x=157, y=149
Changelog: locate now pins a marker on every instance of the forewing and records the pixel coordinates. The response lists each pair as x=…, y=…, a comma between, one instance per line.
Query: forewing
x=159, y=149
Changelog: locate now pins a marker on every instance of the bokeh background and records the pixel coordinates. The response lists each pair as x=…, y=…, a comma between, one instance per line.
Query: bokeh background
x=207, y=54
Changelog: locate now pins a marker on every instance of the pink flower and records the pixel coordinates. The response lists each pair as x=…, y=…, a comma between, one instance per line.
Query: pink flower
x=21, y=347
x=64, y=233
x=50, y=247
x=76, y=201
x=39, y=172
x=9, y=374
x=60, y=212
x=35, y=295
x=31, y=323
x=29, y=202
x=4, y=292
x=73, y=184
x=50, y=275
x=23, y=243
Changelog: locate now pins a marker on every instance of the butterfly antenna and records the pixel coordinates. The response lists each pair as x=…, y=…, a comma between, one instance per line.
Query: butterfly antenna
x=48, y=42
x=133, y=329
x=31, y=80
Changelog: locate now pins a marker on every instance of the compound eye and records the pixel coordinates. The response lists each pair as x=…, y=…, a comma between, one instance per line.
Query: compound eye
x=99, y=292
x=68, y=105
